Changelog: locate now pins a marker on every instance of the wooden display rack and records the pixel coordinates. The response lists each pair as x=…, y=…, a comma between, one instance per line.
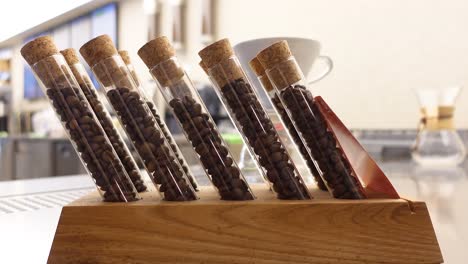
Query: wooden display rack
x=267, y=230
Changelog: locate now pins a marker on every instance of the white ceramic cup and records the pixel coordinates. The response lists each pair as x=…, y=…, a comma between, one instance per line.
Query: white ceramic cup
x=306, y=51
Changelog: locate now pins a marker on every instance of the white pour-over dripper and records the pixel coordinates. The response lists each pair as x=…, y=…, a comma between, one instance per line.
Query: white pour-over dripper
x=306, y=51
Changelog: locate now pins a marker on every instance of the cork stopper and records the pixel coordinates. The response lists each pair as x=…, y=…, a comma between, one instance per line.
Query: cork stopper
x=258, y=69
x=274, y=54
x=156, y=51
x=202, y=65
x=216, y=52
x=96, y=53
x=125, y=57
x=98, y=49
x=51, y=70
x=159, y=56
x=282, y=69
x=38, y=49
x=218, y=61
x=70, y=56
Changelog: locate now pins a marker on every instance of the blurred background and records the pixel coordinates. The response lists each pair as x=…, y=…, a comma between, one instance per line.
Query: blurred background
x=382, y=54
x=393, y=60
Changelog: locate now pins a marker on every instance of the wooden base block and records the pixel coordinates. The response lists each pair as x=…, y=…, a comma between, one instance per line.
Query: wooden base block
x=266, y=230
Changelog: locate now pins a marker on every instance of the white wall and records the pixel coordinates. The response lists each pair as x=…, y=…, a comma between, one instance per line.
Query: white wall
x=382, y=50
x=133, y=32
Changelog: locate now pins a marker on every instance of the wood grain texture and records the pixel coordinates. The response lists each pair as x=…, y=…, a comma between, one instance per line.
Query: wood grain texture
x=261, y=231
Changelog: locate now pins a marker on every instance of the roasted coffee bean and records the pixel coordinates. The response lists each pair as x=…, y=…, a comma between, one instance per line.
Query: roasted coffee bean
x=297, y=139
x=114, y=137
x=90, y=141
x=264, y=140
x=166, y=172
x=206, y=142
x=173, y=145
x=318, y=140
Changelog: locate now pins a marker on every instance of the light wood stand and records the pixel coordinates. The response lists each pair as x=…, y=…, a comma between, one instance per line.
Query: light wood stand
x=266, y=230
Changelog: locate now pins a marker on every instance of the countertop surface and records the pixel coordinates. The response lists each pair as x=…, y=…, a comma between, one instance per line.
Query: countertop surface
x=30, y=209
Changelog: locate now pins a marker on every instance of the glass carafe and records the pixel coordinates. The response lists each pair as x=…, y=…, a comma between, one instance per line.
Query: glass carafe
x=437, y=142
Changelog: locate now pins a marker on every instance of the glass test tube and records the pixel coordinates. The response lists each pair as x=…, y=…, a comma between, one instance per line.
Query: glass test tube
x=82, y=126
x=195, y=120
x=280, y=109
x=88, y=89
x=252, y=121
x=289, y=83
x=159, y=120
x=141, y=127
